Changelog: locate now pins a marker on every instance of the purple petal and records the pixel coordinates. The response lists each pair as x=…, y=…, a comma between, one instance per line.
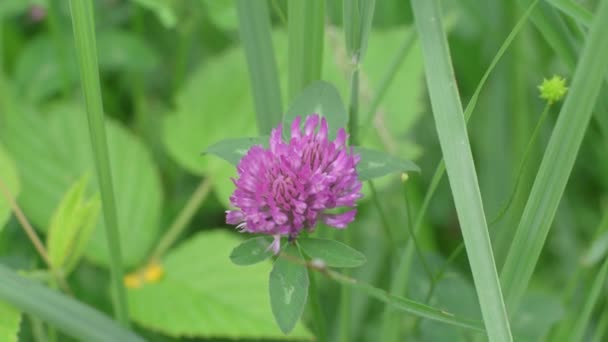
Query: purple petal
x=275, y=246
x=311, y=123
x=339, y=221
x=295, y=128
x=234, y=216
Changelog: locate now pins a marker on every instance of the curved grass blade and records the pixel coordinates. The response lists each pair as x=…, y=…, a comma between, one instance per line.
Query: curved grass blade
x=557, y=162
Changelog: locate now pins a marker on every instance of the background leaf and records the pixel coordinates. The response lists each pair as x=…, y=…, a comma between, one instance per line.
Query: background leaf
x=10, y=323
x=333, y=253
x=59, y=142
x=163, y=10
x=322, y=98
x=203, y=294
x=232, y=150
x=9, y=177
x=288, y=289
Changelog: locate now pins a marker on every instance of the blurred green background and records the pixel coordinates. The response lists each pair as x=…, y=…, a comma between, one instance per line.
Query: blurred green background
x=174, y=80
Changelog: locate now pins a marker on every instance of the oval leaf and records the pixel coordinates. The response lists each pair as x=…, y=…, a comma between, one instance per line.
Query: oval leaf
x=376, y=164
x=252, y=251
x=288, y=289
x=331, y=252
x=322, y=98
x=232, y=150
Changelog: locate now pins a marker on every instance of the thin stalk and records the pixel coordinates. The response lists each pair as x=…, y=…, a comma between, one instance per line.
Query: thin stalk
x=353, y=108
x=387, y=80
x=183, y=218
x=601, y=327
x=522, y=166
x=86, y=47
x=386, y=226
x=31, y=234
x=578, y=331
x=37, y=329
x=54, y=26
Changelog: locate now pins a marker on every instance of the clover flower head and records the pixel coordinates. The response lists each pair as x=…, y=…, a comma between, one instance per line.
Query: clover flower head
x=553, y=89
x=289, y=187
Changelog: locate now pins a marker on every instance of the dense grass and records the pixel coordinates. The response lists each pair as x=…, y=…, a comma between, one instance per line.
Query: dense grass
x=125, y=95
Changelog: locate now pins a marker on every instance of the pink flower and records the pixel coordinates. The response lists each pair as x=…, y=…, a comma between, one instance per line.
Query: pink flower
x=282, y=190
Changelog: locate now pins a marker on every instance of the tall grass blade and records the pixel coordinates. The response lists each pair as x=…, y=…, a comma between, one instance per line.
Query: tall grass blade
x=66, y=314
x=451, y=128
x=305, y=25
x=357, y=19
x=84, y=36
x=558, y=162
x=593, y=296
x=574, y=10
x=255, y=31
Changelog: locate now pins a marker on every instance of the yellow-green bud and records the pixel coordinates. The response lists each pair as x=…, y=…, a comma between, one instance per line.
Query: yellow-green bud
x=553, y=89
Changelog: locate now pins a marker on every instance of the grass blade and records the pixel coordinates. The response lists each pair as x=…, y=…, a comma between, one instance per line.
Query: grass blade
x=254, y=28
x=84, y=36
x=558, y=162
x=357, y=19
x=454, y=140
x=574, y=10
x=60, y=311
x=593, y=297
x=305, y=25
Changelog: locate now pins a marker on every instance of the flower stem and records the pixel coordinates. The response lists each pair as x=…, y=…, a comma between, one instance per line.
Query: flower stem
x=86, y=48
x=315, y=305
x=383, y=218
x=353, y=108
x=182, y=219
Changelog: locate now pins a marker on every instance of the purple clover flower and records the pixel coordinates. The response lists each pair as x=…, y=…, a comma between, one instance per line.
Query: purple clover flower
x=285, y=189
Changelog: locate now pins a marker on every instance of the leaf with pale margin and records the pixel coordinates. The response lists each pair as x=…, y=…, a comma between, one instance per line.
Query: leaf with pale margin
x=321, y=98
x=53, y=151
x=10, y=179
x=72, y=226
x=332, y=253
x=232, y=150
x=252, y=251
x=376, y=164
x=10, y=320
x=203, y=294
x=288, y=289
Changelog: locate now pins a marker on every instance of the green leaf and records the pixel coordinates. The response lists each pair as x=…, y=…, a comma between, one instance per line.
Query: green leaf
x=255, y=31
x=9, y=8
x=53, y=151
x=64, y=313
x=203, y=294
x=288, y=289
x=232, y=150
x=376, y=164
x=218, y=86
x=10, y=323
x=223, y=14
x=125, y=51
x=558, y=161
x=597, y=250
x=305, y=26
x=252, y=251
x=333, y=253
x=72, y=226
x=162, y=9
x=10, y=180
x=574, y=10
x=538, y=313
x=456, y=150
x=321, y=98
x=358, y=16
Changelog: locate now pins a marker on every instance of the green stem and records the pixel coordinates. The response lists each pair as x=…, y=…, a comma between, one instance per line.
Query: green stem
x=522, y=166
x=84, y=36
x=37, y=329
x=602, y=326
x=182, y=219
x=383, y=218
x=315, y=305
x=54, y=26
x=413, y=238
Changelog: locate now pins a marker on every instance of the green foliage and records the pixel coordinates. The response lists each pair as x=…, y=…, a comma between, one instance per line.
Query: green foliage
x=233, y=150
x=203, y=294
x=60, y=143
x=9, y=181
x=10, y=322
x=163, y=10
x=375, y=164
x=331, y=253
x=62, y=312
x=358, y=16
x=288, y=288
x=252, y=251
x=71, y=226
